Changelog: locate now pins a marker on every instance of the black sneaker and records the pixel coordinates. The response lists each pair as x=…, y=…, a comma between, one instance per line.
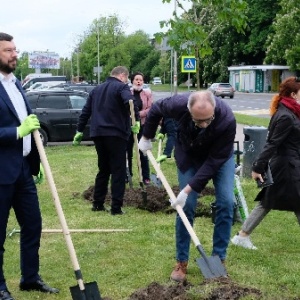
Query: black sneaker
x=98, y=208
x=118, y=212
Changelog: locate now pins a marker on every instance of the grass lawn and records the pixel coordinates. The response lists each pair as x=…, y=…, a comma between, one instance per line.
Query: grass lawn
x=122, y=262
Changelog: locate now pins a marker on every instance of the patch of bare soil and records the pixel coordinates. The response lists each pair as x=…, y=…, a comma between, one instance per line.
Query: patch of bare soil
x=152, y=199
x=224, y=289
x=157, y=200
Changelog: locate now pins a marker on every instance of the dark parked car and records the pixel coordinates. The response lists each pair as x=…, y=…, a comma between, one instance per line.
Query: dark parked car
x=58, y=112
x=222, y=90
x=76, y=87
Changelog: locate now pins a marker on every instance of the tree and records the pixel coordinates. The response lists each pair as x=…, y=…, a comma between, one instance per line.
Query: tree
x=193, y=31
x=283, y=45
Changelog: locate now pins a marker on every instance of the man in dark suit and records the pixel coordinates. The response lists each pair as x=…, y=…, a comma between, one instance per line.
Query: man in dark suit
x=19, y=160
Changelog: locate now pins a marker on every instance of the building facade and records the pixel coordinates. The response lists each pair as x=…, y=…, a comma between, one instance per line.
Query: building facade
x=258, y=78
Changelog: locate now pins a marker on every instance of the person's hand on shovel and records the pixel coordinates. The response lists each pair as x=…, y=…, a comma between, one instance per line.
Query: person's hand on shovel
x=136, y=127
x=30, y=124
x=160, y=136
x=145, y=145
x=161, y=158
x=181, y=198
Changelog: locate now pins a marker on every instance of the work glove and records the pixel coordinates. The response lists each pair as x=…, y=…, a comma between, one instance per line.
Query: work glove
x=77, y=138
x=41, y=176
x=136, y=128
x=161, y=158
x=180, y=200
x=145, y=145
x=30, y=124
x=160, y=136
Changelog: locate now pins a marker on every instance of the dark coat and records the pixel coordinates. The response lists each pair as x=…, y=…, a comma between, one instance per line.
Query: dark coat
x=282, y=149
x=205, y=149
x=108, y=108
x=11, y=148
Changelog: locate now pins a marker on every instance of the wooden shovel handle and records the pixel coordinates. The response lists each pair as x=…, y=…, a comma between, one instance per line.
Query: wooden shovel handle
x=138, y=159
x=58, y=207
x=173, y=197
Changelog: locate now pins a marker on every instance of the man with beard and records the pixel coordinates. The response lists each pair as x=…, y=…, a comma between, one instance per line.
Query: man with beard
x=19, y=160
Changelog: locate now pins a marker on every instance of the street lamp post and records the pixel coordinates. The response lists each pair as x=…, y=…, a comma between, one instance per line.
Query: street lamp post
x=175, y=61
x=98, y=50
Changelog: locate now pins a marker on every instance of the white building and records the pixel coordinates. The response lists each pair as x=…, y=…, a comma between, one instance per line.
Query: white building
x=258, y=78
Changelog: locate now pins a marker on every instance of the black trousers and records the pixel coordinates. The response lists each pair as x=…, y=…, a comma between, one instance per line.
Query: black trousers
x=22, y=197
x=111, y=153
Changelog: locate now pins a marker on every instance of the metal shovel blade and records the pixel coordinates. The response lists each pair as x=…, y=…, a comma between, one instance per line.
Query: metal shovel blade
x=91, y=292
x=211, y=267
x=155, y=180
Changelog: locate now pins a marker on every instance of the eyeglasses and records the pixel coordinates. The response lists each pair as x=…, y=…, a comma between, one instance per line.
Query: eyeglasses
x=11, y=51
x=207, y=121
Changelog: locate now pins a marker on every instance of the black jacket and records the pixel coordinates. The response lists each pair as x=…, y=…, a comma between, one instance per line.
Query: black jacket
x=282, y=149
x=108, y=108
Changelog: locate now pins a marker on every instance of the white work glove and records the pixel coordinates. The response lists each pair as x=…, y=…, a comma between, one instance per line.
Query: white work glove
x=180, y=200
x=145, y=145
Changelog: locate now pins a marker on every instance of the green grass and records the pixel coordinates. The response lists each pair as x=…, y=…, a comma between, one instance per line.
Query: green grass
x=122, y=262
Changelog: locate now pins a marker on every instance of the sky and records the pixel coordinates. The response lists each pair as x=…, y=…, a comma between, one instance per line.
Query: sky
x=54, y=25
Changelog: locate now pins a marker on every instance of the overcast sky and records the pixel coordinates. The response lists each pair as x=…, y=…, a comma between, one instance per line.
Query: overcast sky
x=41, y=25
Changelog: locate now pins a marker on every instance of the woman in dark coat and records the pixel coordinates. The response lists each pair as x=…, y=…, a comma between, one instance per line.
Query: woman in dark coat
x=282, y=153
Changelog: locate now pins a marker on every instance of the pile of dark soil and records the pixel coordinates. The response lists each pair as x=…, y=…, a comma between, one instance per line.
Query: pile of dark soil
x=222, y=289
x=157, y=199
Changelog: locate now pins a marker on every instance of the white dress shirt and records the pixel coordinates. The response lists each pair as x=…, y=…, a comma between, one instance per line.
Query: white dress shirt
x=9, y=84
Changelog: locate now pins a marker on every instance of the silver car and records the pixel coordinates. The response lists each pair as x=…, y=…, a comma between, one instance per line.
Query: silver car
x=222, y=90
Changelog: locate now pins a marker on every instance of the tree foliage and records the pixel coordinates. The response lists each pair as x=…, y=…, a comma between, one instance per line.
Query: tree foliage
x=284, y=44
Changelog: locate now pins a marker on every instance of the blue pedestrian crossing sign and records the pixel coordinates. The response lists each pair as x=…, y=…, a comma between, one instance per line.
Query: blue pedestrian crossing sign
x=188, y=64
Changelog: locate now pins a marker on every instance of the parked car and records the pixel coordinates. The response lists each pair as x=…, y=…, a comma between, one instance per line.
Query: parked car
x=156, y=80
x=85, y=87
x=42, y=85
x=58, y=112
x=222, y=90
x=31, y=81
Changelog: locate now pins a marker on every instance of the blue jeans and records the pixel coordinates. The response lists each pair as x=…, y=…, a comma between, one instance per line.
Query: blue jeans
x=223, y=182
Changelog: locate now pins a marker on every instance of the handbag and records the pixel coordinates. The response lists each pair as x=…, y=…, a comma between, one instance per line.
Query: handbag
x=267, y=177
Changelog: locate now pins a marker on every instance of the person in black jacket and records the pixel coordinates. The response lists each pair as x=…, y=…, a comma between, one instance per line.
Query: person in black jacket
x=203, y=151
x=282, y=153
x=110, y=128
x=19, y=160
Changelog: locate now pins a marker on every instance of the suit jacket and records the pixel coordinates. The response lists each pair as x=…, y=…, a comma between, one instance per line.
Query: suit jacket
x=11, y=148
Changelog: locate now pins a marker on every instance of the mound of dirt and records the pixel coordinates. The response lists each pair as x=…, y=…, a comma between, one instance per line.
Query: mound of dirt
x=224, y=289
x=157, y=199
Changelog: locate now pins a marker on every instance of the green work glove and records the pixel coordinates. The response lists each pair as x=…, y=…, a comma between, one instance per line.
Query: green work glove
x=160, y=136
x=77, y=138
x=136, y=128
x=161, y=158
x=41, y=176
x=30, y=124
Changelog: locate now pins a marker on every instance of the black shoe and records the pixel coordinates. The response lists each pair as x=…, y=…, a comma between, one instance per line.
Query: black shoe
x=5, y=295
x=98, y=208
x=117, y=212
x=38, y=285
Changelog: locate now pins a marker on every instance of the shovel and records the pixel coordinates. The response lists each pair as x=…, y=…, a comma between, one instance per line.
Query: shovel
x=137, y=151
x=211, y=267
x=82, y=291
x=154, y=177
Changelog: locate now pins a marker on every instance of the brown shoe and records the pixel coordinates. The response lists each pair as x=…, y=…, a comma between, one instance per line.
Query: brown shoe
x=179, y=272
